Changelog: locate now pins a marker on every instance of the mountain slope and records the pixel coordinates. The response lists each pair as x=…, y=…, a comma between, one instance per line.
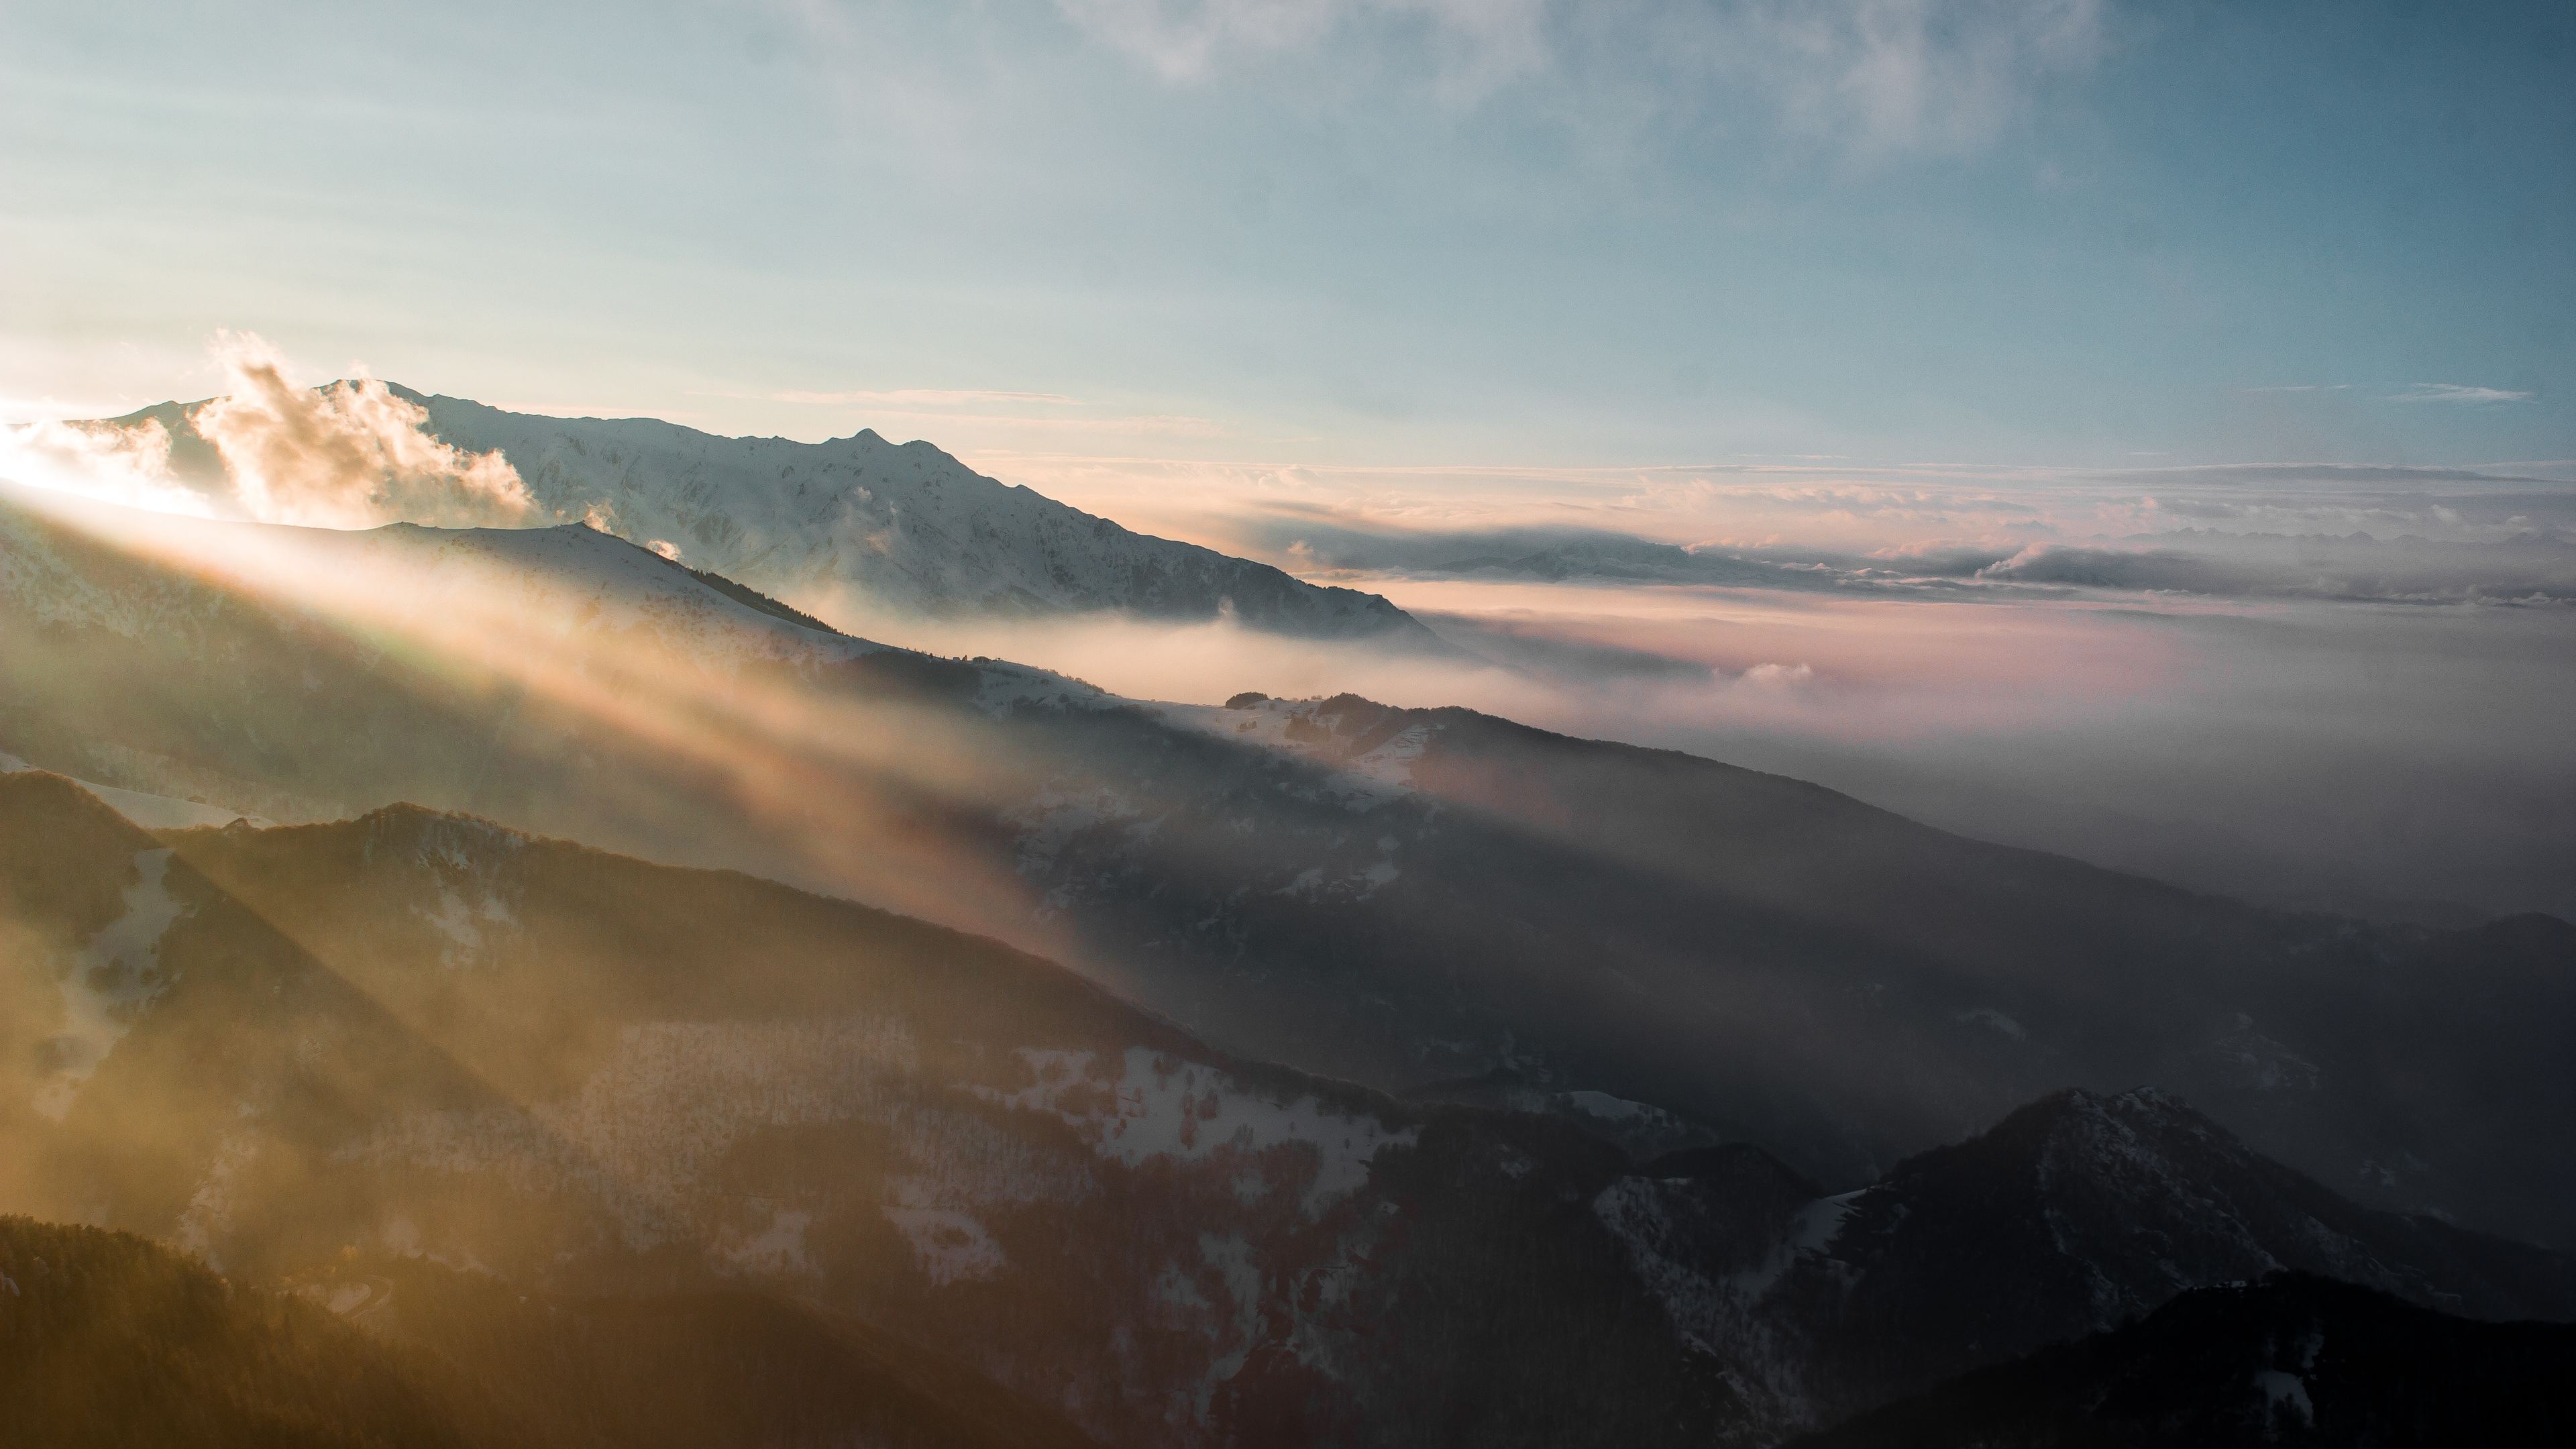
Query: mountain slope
x=338, y=1055
x=1396, y=897
x=2073, y=1215
x=863, y=522
x=415, y=1034
x=106, y=1339
x=2296, y=1360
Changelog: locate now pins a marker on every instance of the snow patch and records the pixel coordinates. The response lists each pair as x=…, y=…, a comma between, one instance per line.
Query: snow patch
x=1610, y=1108
x=208, y=1218
x=1390, y=765
x=1006, y=687
x=950, y=1246
x=1661, y=1227
x=1359, y=782
x=460, y=926
x=1821, y=1221
x=1059, y=812
x=1993, y=1018
x=778, y=1248
x=113, y=981
x=343, y=1299
x=1160, y=1106
x=2285, y=1390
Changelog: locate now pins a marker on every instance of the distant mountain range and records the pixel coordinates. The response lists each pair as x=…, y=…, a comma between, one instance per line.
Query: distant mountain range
x=886, y=527
x=1397, y=898
x=571, y=1136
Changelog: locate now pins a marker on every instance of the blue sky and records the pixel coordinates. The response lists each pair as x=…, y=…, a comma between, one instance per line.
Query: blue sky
x=1510, y=232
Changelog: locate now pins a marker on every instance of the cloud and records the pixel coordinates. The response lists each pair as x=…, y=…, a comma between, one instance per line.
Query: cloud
x=2298, y=750
x=1908, y=75
x=350, y=455
x=1877, y=76
x=2325, y=477
x=2452, y=392
x=1483, y=43
x=2527, y=558
x=129, y=466
x=1318, y=543
x=2529, y=568
x=1779, y=676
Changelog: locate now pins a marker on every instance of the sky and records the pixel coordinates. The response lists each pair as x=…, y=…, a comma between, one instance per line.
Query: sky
x=2142, y=431
x=1341, y=233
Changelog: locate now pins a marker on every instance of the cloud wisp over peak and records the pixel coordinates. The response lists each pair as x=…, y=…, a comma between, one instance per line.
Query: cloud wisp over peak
x=353, y=454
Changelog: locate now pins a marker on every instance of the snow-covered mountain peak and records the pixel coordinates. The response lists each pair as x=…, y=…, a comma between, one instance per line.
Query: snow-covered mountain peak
x=868, y=524
x=856, y=527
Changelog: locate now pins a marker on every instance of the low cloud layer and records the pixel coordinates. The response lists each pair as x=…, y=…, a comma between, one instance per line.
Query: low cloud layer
x=2336, y=686
x=354, y=454
x=2307, y=752
x=2531, y=566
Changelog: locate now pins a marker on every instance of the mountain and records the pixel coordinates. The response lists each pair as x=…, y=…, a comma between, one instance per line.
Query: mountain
x=1399, y=898
x=423, y=1069
x=417, y=1036
x=107, y=1339
x=2072, y=1216
x=860, y=521
x=2295, y=1360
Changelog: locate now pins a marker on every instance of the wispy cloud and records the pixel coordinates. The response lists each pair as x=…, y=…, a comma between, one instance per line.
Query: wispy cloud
x=2452, y=392
x=1906, y=75
x=1484, y=43
x=1878, y=76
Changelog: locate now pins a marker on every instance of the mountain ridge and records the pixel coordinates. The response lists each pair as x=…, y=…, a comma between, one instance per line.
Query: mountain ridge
x=862, y=523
